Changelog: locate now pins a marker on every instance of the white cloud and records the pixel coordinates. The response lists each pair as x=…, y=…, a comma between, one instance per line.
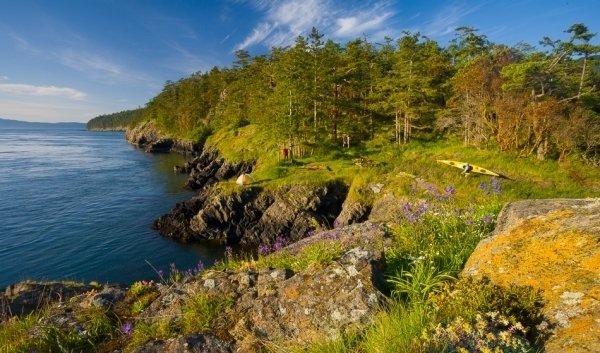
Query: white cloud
x=361, y=23
x=54, y=91
x=284, y=21
x=2, y=77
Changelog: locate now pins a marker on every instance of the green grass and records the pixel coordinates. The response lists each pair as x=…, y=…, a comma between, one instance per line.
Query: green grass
x=25, y=334
x=200, y=310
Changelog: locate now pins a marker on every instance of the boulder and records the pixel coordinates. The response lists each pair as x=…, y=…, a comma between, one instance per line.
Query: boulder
x=553, y=246
x=315, y=303
x=352, y=212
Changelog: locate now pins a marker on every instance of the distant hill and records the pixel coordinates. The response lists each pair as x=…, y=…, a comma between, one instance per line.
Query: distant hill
x=18, y=124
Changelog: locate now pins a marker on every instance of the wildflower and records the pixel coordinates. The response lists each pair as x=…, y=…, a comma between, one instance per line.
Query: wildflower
x=264, y=249
x=495, y=186
x=228, y=253
x=487, y=219
x=127, y=328
x=450, y=190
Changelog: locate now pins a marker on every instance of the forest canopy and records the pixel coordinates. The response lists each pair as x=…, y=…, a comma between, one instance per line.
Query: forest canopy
x=540, y=101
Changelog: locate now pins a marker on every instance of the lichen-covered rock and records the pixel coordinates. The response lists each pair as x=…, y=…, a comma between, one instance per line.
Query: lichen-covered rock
x=188, y=344
x=316, y=302
x=554, y=246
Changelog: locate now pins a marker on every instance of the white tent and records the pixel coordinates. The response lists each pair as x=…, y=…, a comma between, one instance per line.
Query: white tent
x=243, y=179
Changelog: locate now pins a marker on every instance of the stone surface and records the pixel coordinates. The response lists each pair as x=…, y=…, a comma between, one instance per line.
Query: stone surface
x=150, y=138
x=554, y=246
x=25, y=297
x=253, y=216
x=188, y=344
x=352, y=212
x=314, y=303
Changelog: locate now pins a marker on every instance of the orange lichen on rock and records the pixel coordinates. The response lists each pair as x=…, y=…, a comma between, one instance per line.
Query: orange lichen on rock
x=556, y=249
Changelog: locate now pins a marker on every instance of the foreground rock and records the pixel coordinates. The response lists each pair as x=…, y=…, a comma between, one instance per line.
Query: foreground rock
x=554, y=246
x=278, y=305
x=252, y=216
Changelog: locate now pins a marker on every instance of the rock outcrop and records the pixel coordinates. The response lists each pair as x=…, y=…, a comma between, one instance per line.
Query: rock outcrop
x=253, y=216
x=25, y=297
x=279, y=305
x=553, y=246
x=209, y=167
x=152, y=140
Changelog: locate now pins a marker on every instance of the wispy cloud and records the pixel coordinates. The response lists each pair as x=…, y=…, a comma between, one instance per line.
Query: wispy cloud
x=3, y=78
x=258, y=35
x=284, y=21
x=86, y=62
x=23, y=44
x=32, y=90
x=186, y=61
x=445, y=21
x=101, y=68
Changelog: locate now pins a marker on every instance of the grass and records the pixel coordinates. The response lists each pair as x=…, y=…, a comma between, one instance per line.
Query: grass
x=200, y=310
x=25, y=334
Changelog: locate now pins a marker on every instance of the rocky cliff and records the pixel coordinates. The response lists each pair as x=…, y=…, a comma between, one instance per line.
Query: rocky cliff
x=253, y=216
x=553, y=246
x=151, y=139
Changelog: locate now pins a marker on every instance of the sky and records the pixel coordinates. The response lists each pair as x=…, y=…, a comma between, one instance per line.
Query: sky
x=72, y=60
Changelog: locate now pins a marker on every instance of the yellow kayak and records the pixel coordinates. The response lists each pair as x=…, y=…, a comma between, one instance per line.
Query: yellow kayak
x=469, y=168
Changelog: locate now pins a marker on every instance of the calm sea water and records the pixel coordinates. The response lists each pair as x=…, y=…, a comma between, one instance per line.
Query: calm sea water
x=78, y=205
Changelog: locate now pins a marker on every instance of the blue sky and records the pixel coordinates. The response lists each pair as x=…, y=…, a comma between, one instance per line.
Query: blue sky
x=72, y=60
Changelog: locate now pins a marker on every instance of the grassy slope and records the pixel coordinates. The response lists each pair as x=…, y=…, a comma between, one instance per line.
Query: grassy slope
x=392, y=164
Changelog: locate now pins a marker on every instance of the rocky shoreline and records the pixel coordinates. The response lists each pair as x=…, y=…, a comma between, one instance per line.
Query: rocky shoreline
x=251, y=215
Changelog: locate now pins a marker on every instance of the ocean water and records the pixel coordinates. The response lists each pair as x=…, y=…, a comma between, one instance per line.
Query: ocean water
x=78, y=205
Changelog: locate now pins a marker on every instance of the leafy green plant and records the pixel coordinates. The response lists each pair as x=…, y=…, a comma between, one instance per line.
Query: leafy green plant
x=417, y=283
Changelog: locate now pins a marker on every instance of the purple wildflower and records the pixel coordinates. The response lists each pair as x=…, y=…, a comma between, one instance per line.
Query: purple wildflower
x=127, y=328
x=199, y=267
x=495, y=186
x=264, y=249
x=450, y=190
x=279, y=243
x=228, y=253
x=487, y=219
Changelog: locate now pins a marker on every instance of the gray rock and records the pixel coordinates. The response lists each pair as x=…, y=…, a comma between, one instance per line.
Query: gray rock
x=188, y=344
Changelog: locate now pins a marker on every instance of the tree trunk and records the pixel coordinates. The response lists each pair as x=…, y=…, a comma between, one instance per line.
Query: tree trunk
x=397, y=128
x=582, y=77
